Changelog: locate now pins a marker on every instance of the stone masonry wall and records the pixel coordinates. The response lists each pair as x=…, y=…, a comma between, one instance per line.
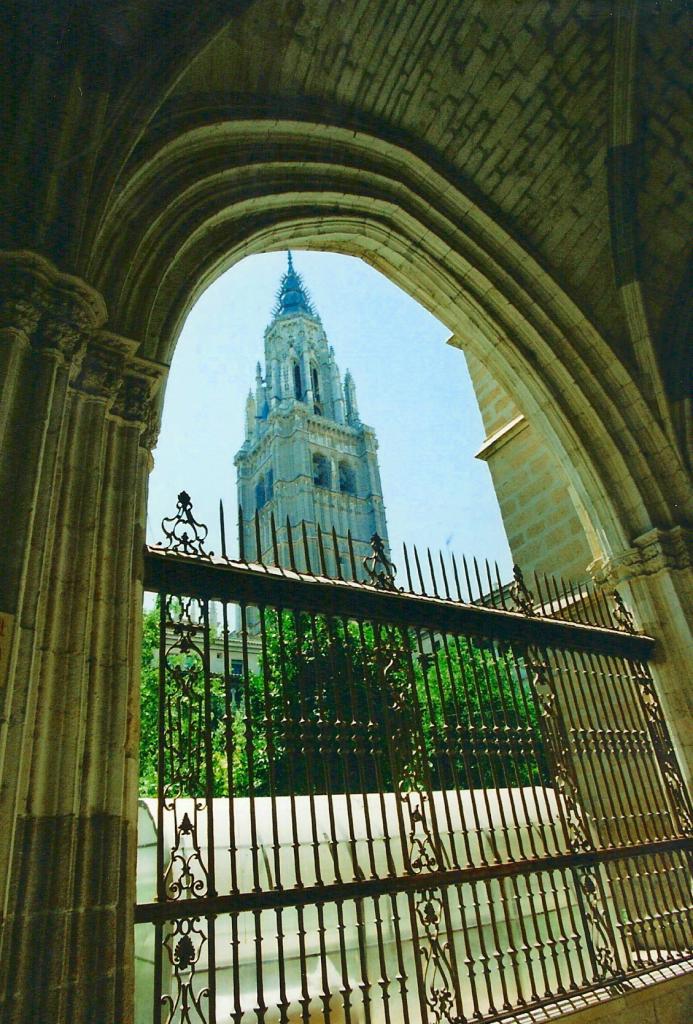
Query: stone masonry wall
x=543, y=528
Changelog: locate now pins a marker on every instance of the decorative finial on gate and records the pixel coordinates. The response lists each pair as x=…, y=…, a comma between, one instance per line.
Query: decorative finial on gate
x=384, y=577
x=183, y=533
x=624, y=619
x=520, y=594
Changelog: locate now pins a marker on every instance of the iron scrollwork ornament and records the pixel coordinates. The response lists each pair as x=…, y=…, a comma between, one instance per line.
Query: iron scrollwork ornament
x=424, y=856
x=557, y=742
x=183, y=730
x=184, y=944
x=381, y=571
x=183, y=532
x=624, y=618
x=520, y=594
x=664, y=752
x=436, y=960
x=577, y=831
x=600, y=937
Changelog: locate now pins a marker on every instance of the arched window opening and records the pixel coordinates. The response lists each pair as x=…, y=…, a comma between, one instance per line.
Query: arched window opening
x=260, y=494
x=315, y=381
x=347, y=478
x=269, y=485
x=298, y=383
x=321, y=471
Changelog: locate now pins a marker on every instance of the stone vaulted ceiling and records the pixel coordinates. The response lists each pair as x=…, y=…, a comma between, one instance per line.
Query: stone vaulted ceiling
x=512, y=97
x=564, y=120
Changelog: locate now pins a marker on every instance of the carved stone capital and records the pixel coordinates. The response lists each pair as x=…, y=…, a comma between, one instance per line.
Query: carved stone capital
x=19, y=314
x=105, y=366
x=150, y=433
x=135, y=401
x=650, y=553
x=132, y=401
x=99, y=373
x=60, y=337
x=54, y=311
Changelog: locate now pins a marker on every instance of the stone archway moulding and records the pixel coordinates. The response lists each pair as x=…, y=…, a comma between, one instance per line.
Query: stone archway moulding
x=79, y=415
x=210, y=190
x=210, y=186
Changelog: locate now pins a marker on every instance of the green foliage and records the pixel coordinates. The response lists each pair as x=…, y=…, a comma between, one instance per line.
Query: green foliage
x=340, y=708
x=149, y=702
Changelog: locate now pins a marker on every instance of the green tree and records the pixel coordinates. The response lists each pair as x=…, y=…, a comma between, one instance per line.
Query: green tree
x=149, y=703
x=344, y=707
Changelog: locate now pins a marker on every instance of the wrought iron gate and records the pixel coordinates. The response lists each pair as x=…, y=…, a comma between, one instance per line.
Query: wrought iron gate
x=401, y=805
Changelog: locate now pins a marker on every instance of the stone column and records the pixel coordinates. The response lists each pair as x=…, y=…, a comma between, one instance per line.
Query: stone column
x=73, y=462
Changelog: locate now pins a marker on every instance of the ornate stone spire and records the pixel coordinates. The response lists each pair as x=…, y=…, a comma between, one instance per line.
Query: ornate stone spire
x=351, y=408
x=293, y=296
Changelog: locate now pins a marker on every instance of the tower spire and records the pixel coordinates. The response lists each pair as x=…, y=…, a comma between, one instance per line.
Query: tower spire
x=293, y=296
x=327, y=458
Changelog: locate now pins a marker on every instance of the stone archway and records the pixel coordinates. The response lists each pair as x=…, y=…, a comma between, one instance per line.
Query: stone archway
x=73, y=661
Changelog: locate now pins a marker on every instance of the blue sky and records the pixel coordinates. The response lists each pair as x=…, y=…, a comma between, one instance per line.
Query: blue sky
x=411, y=387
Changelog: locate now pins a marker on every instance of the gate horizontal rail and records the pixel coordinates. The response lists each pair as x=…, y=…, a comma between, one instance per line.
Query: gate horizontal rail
x=314, y=895
x=218, y=579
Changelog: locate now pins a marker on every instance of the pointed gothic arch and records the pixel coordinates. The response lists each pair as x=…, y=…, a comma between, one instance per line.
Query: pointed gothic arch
x=297, y=381
x=132, y=193
x=410, y=222
x=322, y=471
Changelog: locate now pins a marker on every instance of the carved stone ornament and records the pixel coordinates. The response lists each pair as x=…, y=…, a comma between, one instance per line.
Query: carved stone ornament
x=19, y=314
x=521, y=596
x=152, y=426
x=651, y=552
x=60, y=336
x=53, y=309
x=135, y=401
x=100, y=373
x=35, y=278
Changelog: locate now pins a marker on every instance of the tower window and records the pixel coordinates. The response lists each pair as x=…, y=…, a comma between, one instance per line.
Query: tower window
x=269, y=485
x=321, y=471
x=260, y=494
x=347, y=478
x=298, y=383
x=315, y=381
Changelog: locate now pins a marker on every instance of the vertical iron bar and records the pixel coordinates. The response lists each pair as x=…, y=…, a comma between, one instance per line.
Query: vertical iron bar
x=209, y=802
x=230, y=750
x=306, y=552
x=433, y=575
x=288, y=729
x=161, y=753
x=258, y=538
x=275, y=543
x=249, y=748
x=445, y=576
x=419, y=573
x=352, y=558
x=337, y=557
x=290, y=543
x=306, y=723
x=271, y=751
x=241, y=536
x=501, y=589
x=321, y=553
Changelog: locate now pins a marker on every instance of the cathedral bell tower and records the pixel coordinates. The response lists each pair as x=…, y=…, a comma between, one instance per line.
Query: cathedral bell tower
x=306, y=455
